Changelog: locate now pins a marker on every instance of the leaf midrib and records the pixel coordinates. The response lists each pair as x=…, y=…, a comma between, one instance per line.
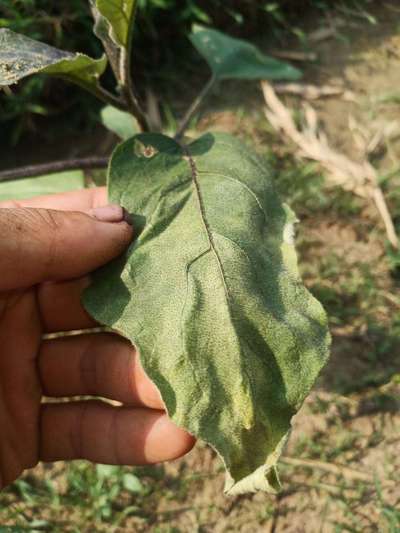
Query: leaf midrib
x=213, y=248
x=207, y=229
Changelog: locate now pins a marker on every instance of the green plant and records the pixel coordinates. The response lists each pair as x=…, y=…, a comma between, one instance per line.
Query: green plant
x=214, y=260
x=65, y=24
x=49, y=109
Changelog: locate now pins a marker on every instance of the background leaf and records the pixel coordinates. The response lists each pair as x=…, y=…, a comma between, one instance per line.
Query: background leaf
x=21, y=56
x=119, y=122
x=132, y=483
x=119, y=14
x=211, y=296
x=50, y=184
x=231, y=58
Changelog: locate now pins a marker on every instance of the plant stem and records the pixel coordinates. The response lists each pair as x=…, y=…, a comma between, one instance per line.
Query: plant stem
x=102, y=94
x=31, y=171
x=119, y=58
x=128, y=90
x=126, y=81
x=195, y=107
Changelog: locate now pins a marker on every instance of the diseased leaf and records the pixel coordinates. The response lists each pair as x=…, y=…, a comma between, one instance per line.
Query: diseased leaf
x=119, y=122
x=21, y=56
x=50, y=184
x=102, y=30
x=211, y=296
x=231, y=58
x=119, y=14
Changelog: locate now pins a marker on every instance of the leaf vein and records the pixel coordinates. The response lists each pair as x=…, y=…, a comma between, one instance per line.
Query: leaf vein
x=202, y=210
x=236, y=245
x=213, y=249
x=194, y=374
x=252, y=193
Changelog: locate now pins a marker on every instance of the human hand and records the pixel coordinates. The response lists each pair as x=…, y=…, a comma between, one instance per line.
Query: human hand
x=48, y=245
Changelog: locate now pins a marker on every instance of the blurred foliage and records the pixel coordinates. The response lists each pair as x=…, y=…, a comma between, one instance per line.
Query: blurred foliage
x=64, y=24
x=162, y=54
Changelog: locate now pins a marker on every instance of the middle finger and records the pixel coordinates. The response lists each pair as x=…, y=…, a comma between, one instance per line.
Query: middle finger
x=97, y=364
x=61, y=307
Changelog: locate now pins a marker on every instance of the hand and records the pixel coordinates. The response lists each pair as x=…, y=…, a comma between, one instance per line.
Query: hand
x=48, y=245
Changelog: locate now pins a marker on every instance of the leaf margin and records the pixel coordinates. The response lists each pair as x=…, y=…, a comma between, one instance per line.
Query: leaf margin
x=76, y=67
x=286, y=71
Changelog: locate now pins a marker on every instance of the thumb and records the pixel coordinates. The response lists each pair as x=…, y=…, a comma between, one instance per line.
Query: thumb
x=39, y=245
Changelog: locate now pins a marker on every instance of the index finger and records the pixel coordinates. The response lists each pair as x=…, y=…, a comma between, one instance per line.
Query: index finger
x=81, y=200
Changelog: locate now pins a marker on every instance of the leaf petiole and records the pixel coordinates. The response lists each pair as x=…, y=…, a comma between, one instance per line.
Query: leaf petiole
x=196, y=104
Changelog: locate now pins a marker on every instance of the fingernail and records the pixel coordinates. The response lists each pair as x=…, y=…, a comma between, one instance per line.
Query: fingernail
x=110, y=213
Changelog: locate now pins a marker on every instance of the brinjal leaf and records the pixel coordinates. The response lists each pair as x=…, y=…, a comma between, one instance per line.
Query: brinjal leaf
x=49, y=184
x=119, y=14
x=231, y=58
x=119, y=122
x=210, y=294
x=21, y=56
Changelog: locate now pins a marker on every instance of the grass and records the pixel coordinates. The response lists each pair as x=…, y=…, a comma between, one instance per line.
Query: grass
x=99, y=495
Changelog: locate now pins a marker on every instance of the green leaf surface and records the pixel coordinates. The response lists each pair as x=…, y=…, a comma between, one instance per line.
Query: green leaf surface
x=50, y=184
x=210, y=294
x=132, y=483
x=106, y=471
x=119, y=122
x=21, y=56
x=231, y=58
x=119, y=14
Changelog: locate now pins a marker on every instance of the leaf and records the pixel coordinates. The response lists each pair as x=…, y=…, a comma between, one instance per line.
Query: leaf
x=50, y=184
x=106, y=471
x=102, y=29
x=211, y=296
x=231, y=58
x=119, y=122
x=21, y=56
x=132, y=483
x=119, y=14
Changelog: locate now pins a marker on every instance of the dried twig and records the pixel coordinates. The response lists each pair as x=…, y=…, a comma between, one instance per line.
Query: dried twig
x=340, y=470
x=6, y=89
x=360, y=178
x=321, y=34
x=31, y=171
x=313, y=92
x=294, y=55
x=392, y=299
